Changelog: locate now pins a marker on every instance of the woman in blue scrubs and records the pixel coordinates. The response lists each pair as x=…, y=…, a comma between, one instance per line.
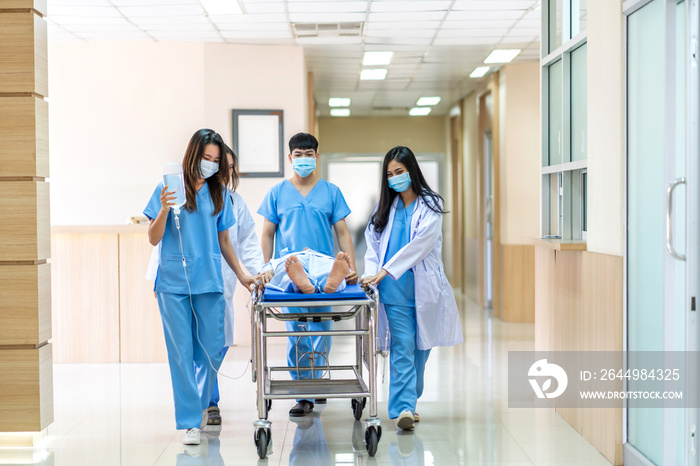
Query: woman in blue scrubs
x=189, y=284
x=417, y=308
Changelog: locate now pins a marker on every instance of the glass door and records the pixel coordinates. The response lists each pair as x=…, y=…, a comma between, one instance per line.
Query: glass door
x=659, y=264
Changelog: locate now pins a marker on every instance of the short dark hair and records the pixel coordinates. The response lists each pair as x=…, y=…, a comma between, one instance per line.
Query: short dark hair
x=303, y=141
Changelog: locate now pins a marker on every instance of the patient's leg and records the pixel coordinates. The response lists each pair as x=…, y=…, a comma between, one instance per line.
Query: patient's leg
x=341, y=267
x=297, y=274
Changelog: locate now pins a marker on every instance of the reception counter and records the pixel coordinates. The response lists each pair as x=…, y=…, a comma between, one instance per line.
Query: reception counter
x=104, y=309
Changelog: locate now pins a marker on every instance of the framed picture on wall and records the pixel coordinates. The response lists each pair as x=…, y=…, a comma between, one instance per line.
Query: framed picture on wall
x=258, y=142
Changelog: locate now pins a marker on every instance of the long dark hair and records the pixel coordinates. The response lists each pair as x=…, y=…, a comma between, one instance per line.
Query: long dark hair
x=192, y=171
x=234, y=171
x=419, y=186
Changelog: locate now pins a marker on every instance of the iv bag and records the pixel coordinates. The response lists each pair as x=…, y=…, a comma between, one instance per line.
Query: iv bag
x=174, y=179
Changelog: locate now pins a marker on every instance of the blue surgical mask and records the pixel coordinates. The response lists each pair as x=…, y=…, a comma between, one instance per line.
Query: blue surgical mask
x=208, y=168
x=304, y=165
x=400, y=183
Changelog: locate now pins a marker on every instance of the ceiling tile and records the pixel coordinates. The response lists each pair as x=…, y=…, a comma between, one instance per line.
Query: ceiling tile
x=400, y=6
x=162, y=10
x=157, y=20
x=326, y=17
x=186, y=36
x=398, y=33
x=255, y=27
x=408, y=16
x=257, y=34
x=89, y=20
x=148, y=2
x=479, y=15
x=82, y=10
x=250, y=18
x=480, y=24
x=327, y=7
x=402, y=25
x=490, y=32
x=493, y=5
x=264, y=7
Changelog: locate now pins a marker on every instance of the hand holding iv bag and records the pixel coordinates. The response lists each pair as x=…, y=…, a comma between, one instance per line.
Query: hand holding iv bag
x=174, y=179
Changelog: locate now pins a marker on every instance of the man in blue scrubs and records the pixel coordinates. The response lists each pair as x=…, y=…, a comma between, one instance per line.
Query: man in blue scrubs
x=302, y=212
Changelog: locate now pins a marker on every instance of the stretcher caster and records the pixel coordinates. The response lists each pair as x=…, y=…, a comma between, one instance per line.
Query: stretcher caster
x=357, y=407
x=262, y=440
x=372, y=436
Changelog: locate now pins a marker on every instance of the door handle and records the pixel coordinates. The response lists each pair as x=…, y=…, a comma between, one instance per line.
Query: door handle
x=669, y=219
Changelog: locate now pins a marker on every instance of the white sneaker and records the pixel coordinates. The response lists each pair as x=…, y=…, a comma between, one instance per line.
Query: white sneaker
x=192, y=437
x=405, y=420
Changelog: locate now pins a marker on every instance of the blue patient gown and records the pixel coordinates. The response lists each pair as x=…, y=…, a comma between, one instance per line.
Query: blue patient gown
x=398, y=297
x=200, y=246
x=305, y=222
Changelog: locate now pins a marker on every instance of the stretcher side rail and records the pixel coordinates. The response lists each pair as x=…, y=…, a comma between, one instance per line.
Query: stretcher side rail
x=335, y=316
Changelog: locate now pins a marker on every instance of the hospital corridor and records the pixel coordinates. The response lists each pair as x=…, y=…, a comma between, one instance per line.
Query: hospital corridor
x=349, y=232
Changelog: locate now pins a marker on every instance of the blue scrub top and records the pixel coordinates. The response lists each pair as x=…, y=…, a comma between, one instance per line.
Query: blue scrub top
x=304, y=222
x=400, y=292
x=200, y=244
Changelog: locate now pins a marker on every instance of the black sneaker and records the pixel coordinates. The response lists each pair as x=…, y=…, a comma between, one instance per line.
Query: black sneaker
x=302, y=408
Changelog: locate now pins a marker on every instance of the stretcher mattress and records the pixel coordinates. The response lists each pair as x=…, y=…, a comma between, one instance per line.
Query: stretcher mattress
x=350, y=292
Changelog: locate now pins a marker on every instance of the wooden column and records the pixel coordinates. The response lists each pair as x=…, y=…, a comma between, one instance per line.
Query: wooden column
x=26, y=384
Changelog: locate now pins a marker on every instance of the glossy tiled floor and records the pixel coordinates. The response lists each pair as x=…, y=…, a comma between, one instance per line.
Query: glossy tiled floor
x=122, y=414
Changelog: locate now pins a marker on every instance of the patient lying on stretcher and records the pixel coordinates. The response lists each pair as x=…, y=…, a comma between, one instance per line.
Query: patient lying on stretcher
x=307, y=272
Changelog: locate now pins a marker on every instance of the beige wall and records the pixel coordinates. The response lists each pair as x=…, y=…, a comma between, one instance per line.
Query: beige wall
x=520, y=152
x=378, y=135
x=606, y=131
x=470, y=127
x=119, y=110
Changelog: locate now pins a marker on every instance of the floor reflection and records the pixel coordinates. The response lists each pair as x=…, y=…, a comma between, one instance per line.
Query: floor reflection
x=207, y=453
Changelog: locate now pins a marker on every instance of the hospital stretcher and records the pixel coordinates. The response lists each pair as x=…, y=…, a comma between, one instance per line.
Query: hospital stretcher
x=352, y=303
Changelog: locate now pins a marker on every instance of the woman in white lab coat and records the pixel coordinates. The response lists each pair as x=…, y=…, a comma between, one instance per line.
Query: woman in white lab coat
x=247, y=247
x=417, y=308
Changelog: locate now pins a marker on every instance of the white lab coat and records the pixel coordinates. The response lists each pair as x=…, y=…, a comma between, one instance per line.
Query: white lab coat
x=248, y=250
x=437, y=317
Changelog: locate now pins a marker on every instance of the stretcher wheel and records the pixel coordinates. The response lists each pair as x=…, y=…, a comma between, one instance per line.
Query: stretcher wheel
x=371, y=440
x=262, y=440
x=357, y=407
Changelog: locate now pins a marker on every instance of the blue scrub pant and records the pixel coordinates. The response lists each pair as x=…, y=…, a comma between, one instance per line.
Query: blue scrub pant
x=407, y=362
x=307, y=344
x=215, y=394
x=192, y=391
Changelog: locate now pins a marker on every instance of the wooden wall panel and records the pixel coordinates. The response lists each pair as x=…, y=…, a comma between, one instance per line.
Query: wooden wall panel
x=24, y=131
x=38, y=5
x=25, y=304
x=141, y=330
x=578, y=306
x=25, y=233
x=26, y=389
x=23, y=53
x=518, y=283
x=85, y=297
x=602, y=331
x=545, y=308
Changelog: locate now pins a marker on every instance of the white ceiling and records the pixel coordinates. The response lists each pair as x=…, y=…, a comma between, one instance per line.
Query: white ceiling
x=436, y=43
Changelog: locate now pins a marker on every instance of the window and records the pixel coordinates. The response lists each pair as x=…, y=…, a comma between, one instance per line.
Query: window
x=564, y=119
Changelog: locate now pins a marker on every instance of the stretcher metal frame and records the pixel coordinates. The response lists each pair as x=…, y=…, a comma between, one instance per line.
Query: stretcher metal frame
x=364, y=312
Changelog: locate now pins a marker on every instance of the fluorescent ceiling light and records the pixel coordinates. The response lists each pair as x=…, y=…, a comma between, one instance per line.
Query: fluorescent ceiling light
x=340, y=112
x=377, y=58
x=479, y=72
x=221, y=7
x=339, y=102
x=373, y=74
x=423, y=101
x=502, y=56
x=421, y=111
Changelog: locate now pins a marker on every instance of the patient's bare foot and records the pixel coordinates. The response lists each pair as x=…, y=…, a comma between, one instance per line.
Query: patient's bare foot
x=341, y=267
x=296, y=273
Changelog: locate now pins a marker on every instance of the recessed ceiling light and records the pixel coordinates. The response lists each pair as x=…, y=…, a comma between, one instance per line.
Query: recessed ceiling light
x=377, y=58
x=502, y=56
x=339, y=102
x=419, y=111
x=479, y=72
x=221, y=7
x=340, y=112
x=373, y=74
x=428, y=101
